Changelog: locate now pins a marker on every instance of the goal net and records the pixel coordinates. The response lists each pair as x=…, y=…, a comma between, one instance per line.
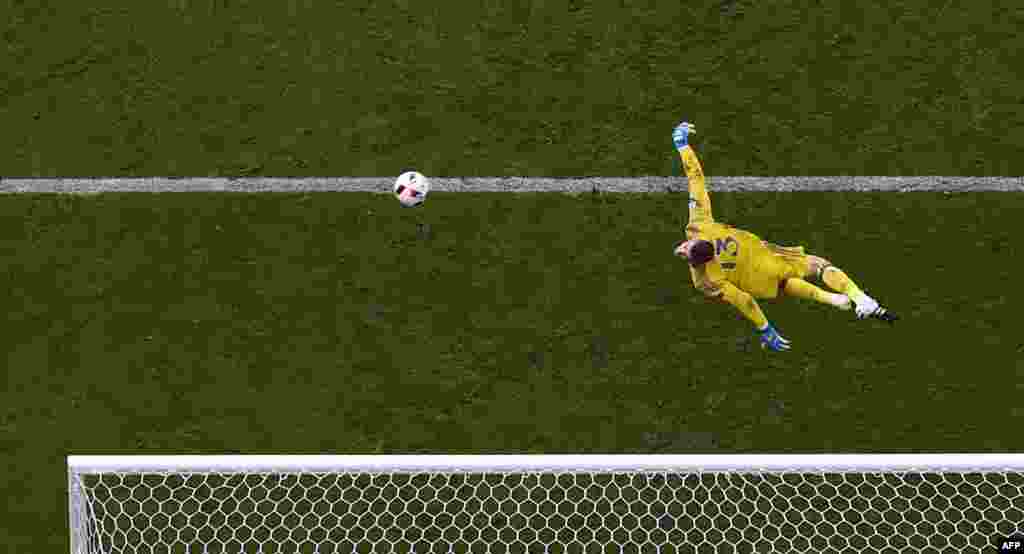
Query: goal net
x=587, y=504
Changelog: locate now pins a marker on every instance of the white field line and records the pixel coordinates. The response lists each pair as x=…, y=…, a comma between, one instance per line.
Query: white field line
x=515, y=184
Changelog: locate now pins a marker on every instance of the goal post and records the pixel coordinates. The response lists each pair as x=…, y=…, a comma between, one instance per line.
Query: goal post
x=551, y=504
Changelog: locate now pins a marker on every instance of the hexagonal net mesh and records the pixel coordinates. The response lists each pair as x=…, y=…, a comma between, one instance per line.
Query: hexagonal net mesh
x=556, y=512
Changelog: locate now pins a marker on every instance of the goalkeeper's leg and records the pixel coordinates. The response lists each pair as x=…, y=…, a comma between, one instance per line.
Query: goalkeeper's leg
x=802, y=289
x=839, y=281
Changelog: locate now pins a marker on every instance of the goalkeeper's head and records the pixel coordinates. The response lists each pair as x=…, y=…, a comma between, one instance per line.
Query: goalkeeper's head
x=697, y=252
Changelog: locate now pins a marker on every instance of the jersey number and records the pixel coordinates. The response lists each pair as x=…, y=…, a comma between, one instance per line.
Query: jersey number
x=722, y=247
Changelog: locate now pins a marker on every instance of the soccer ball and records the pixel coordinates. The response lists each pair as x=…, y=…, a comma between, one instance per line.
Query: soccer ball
x=411, y=188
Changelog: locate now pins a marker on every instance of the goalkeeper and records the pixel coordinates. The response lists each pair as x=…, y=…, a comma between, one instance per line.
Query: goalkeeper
x=738, y=267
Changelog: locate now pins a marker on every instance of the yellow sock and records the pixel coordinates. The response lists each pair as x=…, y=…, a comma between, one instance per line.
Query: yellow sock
x=802, y=289
x=839, y=281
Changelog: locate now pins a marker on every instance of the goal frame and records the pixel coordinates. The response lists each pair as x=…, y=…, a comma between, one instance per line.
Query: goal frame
x=944, y=463
x=559, y=463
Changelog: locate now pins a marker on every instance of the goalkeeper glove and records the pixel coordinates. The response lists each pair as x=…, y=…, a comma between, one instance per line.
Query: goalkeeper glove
x=681, y=134
x=772, y=340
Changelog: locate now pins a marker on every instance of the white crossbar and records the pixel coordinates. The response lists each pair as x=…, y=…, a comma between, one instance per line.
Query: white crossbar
x=571, y=463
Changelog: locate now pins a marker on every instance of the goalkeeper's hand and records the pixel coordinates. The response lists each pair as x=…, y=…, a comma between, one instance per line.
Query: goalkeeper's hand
x=772, y=340
x=681, y=134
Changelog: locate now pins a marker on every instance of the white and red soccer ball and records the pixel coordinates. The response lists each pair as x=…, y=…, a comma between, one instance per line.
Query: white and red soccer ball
x=411, y=188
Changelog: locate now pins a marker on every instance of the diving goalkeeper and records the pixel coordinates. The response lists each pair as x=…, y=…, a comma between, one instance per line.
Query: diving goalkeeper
x=738, y=267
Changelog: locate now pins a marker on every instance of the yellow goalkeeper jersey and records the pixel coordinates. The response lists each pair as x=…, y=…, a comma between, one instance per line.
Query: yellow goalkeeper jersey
x=741, y=257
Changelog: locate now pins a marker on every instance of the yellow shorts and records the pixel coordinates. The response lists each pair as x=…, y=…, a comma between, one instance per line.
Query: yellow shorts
x=783, y=262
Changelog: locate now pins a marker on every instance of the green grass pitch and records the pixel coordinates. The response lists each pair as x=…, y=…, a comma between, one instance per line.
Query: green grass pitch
x=489, y=322
x=540, y=88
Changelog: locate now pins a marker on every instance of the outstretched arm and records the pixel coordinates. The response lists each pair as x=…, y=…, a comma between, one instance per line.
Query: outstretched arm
x=727, y=292
x=746, y=304
x=700, y=202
